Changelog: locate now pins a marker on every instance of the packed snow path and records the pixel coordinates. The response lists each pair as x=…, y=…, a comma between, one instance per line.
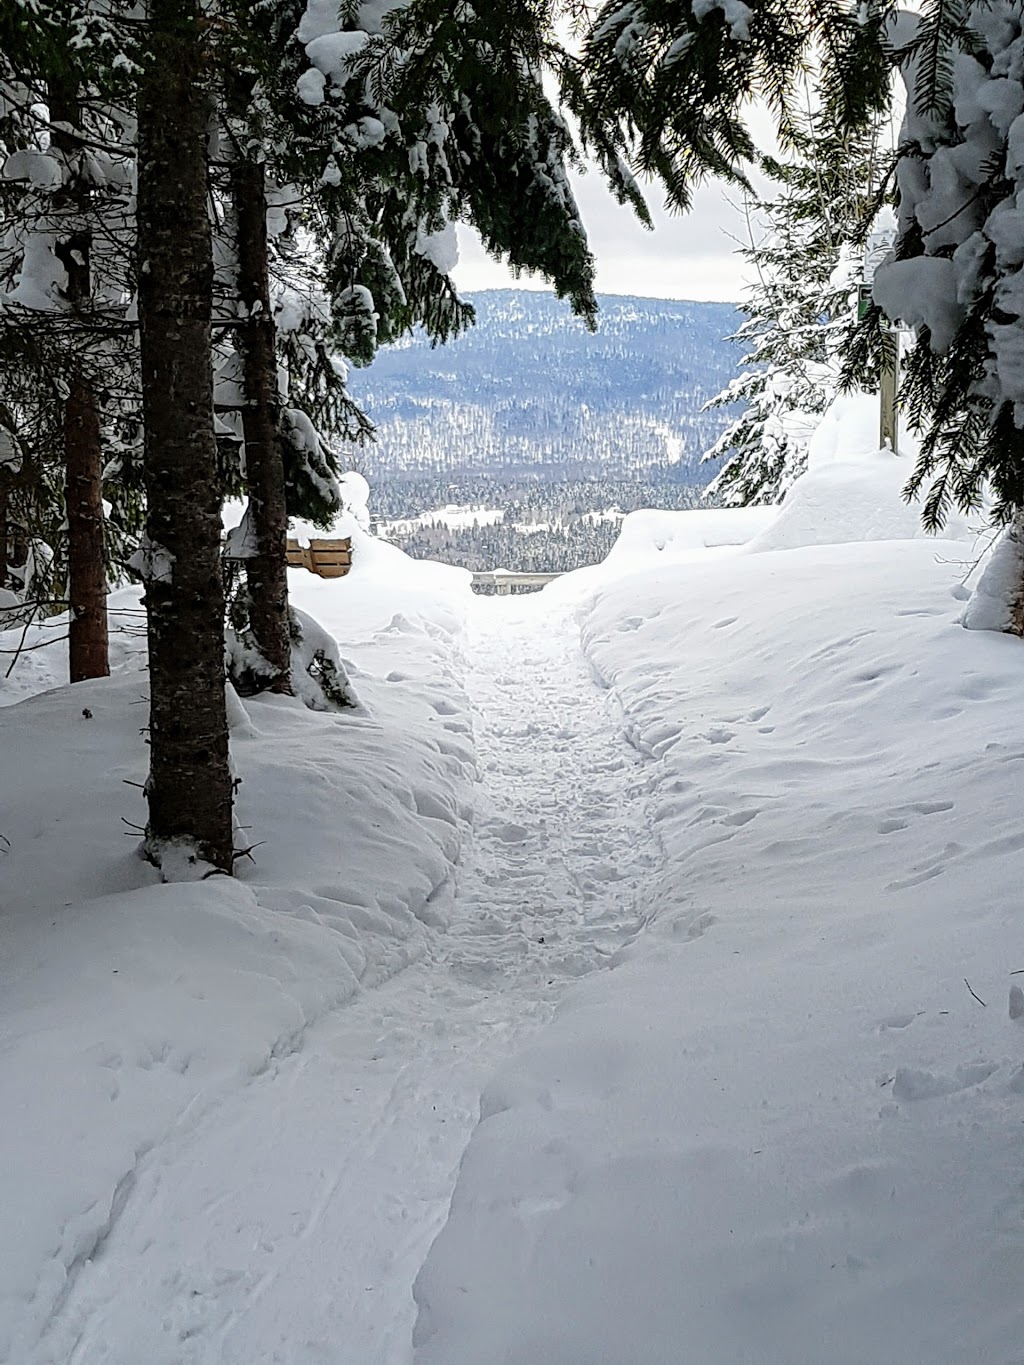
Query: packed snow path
x=288, y=1224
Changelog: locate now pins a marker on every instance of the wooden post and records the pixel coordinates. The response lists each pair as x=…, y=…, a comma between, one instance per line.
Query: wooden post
x=889, y=382
x=877, y=249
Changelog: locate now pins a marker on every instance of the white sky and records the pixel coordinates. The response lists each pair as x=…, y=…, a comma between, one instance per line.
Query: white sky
x=687, y=256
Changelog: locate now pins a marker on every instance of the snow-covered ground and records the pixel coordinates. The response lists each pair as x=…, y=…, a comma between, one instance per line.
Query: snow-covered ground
x=455, y=516
x=678, y=1005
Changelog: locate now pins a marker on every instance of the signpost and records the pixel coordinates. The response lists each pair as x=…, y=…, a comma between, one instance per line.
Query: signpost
x=876, y=248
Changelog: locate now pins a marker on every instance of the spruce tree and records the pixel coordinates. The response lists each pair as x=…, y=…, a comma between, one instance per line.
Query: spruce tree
x=668, y=86
x=83, y=449
x=800, y=315
x=190, y=786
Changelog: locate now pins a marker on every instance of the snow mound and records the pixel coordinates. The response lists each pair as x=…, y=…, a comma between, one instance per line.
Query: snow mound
x=673, y=535
x=852, y=491
x=996, y=602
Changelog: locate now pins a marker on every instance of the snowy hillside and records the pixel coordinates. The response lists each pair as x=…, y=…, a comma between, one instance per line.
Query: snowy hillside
x=529, y=391
x=630, y=980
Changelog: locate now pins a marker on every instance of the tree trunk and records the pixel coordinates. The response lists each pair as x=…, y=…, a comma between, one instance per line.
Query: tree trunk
x=87, y=570
x=267, y=570
x=189, y=786
x=5, y=495
x=83, y=451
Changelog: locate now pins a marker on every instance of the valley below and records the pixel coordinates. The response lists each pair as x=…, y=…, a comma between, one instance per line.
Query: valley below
x=523, y=443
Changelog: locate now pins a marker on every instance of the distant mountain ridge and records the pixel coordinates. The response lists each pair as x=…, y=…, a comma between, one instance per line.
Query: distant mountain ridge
x=528, y=393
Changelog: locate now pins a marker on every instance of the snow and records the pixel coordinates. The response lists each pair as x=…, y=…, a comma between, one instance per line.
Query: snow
x=154, y=563
x=608, y=1004
x=440, y=248
x=39, y=169
x=782, y=1129
x=997, y=600
x=453, y=515
x=332, y=52
x=922, y=293
x=311, y=86
x=737, y=16
x=145, y=1007
x=675, y=534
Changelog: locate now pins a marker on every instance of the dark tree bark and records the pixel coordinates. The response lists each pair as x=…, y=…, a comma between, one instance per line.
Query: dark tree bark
x=189, y=787
x=267, y=570
x=87, y=570
x=5, y=502
x=83, y=450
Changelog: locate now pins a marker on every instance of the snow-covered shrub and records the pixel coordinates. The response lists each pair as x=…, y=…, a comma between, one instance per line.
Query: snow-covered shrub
x=318, y=674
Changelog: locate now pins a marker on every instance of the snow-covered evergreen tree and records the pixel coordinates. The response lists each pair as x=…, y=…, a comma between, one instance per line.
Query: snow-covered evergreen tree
x=957, y=274
x=669, y=86
x=378, y=129
x=68, y=385
x=800, y=309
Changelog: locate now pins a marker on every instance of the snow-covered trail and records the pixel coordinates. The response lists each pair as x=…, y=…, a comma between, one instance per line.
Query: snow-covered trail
x=287, y=1224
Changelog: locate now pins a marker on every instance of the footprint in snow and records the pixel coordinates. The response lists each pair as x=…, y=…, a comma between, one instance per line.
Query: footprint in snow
x=693, y=928
x=912, y=1084
x=740, y=817
x=444, y=708
x=718, y=735
x=509, y=832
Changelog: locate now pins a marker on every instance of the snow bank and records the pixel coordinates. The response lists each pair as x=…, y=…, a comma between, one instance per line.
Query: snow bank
x=852, y=491
x=129, y=1010
x=856, y=499
x=674, y=535
x=996, y=603
x=783, y=1130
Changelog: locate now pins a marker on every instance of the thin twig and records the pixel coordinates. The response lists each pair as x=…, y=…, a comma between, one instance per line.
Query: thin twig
x=27, y=649
x=247, y=852
x=974, y=993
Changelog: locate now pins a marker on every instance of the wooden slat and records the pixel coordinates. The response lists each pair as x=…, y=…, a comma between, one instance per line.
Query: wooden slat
x=327, y=558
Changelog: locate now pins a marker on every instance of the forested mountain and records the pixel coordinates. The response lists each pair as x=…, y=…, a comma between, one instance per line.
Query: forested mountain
x=529, y=393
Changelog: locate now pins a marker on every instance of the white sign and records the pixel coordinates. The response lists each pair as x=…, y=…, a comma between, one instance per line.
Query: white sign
x=876, y=248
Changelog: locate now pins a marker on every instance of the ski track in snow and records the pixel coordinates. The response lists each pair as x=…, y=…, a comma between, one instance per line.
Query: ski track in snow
x=287, y=1224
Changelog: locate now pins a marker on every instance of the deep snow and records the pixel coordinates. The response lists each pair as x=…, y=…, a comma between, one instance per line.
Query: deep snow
x=678, y=1005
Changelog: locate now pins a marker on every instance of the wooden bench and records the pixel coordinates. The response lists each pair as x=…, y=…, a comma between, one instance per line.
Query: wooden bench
x=328, y=558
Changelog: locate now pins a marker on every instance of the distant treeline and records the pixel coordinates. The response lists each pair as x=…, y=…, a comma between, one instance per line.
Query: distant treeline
x=565, y=534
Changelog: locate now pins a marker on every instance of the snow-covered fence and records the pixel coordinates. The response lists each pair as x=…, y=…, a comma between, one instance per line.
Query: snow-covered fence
x=328, y=558
x=503, y=580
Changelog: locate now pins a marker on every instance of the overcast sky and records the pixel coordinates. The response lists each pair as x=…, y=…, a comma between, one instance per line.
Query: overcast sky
x=687, y=256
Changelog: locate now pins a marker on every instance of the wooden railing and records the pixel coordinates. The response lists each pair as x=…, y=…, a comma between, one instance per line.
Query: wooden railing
x=503, y=581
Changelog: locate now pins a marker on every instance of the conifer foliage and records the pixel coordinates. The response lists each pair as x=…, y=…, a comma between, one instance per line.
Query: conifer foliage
x=800, y=308
x=208, y=212
x=667, y=85
x=957, y=274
